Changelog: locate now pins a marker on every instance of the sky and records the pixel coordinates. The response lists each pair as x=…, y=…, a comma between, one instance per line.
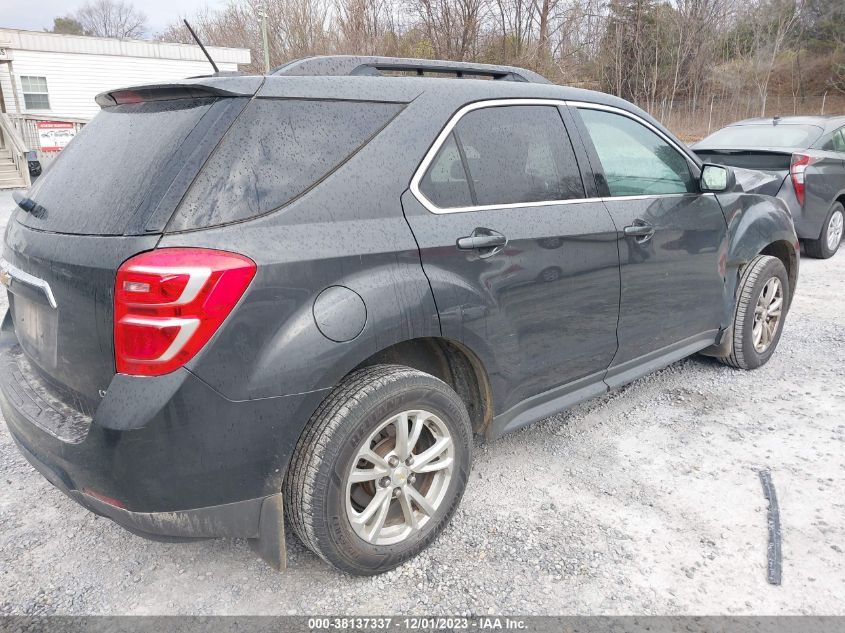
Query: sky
x=36, y=16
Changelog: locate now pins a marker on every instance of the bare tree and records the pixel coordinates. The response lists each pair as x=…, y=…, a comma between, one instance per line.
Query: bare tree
x=773, y=21
x=111, y=18
x=362, y=25
x=451, y=26
x=685, y=61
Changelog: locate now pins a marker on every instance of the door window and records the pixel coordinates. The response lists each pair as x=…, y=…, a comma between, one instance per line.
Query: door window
x=508, y=155
x=635, y=160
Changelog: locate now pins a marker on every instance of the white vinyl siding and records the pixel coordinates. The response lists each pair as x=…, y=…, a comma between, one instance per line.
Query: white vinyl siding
x=75, y=79
x=76, y=69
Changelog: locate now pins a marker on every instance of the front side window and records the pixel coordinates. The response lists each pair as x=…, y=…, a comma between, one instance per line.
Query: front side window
x=35, y=93
x=504, y=155
x=635, y=160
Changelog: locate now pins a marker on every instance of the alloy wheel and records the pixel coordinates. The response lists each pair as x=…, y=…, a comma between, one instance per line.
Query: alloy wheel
x=399, y=477
x=834, y=230
x=767, y=314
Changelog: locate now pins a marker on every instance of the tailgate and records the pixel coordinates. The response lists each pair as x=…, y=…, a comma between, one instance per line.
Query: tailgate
x=61, y=294
x=106, y=198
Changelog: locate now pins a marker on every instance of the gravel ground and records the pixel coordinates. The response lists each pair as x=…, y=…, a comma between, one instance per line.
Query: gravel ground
x=644, y=501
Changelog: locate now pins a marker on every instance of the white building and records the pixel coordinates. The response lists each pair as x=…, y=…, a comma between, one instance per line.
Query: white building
x=46, y=78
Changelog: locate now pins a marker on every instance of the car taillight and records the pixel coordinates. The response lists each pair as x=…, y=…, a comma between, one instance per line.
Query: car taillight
x=796, y=170
x=169, y=302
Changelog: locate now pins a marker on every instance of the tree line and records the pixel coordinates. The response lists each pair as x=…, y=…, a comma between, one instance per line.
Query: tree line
x=669, y=56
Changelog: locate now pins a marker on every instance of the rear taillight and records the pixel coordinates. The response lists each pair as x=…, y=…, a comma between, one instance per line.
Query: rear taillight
x=169, y=302
x=796, y=170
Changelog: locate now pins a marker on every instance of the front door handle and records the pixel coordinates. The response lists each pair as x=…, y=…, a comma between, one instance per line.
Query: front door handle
x=640, y=229
x=485, y=240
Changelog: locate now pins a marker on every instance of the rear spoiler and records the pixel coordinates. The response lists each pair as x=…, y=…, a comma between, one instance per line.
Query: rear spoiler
x=232, y=86
x=727, y=151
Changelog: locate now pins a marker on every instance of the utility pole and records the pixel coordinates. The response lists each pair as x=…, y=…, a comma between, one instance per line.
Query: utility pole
x=262, y=13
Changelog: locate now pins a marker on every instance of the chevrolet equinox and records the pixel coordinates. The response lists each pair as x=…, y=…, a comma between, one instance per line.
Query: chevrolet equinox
x=235, y=298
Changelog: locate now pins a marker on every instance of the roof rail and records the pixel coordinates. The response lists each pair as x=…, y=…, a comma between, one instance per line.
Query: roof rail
x=340, y=65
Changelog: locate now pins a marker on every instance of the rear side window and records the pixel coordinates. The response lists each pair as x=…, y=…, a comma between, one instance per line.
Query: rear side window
x=504, y=155
x=117, y=163
x=275, y=151
x=836, y=142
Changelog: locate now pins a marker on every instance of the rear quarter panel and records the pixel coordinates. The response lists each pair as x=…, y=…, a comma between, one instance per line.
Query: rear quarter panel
x=348, y=231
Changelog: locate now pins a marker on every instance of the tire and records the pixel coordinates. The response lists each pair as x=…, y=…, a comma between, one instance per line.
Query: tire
x=755, y=278
x=319, y=499
x=827, y=244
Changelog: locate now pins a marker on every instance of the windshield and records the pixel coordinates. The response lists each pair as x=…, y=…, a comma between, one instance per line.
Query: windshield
x=118, y=162
x=763, y=135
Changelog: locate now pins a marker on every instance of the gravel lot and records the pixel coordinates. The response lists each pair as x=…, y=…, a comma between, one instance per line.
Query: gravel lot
x=644, y=501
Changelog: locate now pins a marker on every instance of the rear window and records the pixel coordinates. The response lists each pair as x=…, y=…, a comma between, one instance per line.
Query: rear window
x=116, y=164
x=276, y=151
x=781, y=135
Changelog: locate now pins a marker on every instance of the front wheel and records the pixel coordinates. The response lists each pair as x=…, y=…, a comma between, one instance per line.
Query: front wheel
x=380, y=469
x=831, y=237
x=762, y=303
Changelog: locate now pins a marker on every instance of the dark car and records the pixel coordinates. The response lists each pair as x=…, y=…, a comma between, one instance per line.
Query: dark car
x=236, y=297
x=806, y=156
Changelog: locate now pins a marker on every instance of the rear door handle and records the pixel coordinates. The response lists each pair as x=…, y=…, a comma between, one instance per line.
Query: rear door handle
x=482, y=239
x=640, y=229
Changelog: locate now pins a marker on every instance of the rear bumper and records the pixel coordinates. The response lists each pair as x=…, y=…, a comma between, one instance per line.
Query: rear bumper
x=238, y=519
x=164, y=457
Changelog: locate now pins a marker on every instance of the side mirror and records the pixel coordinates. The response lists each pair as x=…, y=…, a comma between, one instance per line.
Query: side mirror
x=717, y=178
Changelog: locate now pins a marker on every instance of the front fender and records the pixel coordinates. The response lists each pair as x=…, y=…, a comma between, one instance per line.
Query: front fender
x=755, y=223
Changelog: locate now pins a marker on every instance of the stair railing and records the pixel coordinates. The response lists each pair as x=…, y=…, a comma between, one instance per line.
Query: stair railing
x=15, y=144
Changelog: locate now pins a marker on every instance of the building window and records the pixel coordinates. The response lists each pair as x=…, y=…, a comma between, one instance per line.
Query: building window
x=35, y=93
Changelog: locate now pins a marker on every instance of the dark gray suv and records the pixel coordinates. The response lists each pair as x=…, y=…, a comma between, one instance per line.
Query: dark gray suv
x=233, y=298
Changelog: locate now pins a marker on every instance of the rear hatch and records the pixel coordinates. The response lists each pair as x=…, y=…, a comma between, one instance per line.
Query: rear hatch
x=107, y=197
x=763, y=145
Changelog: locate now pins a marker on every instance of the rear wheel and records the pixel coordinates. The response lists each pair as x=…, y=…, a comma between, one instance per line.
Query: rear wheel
x=831, y=237
x=763, y=299
x=380, y=469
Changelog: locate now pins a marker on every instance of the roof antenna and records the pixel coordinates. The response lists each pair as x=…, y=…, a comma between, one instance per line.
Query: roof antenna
x=205, y=52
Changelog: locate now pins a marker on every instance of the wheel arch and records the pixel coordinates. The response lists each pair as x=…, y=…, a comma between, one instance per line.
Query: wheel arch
x=450, y=361
x=788, y=256
x=757, y=225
